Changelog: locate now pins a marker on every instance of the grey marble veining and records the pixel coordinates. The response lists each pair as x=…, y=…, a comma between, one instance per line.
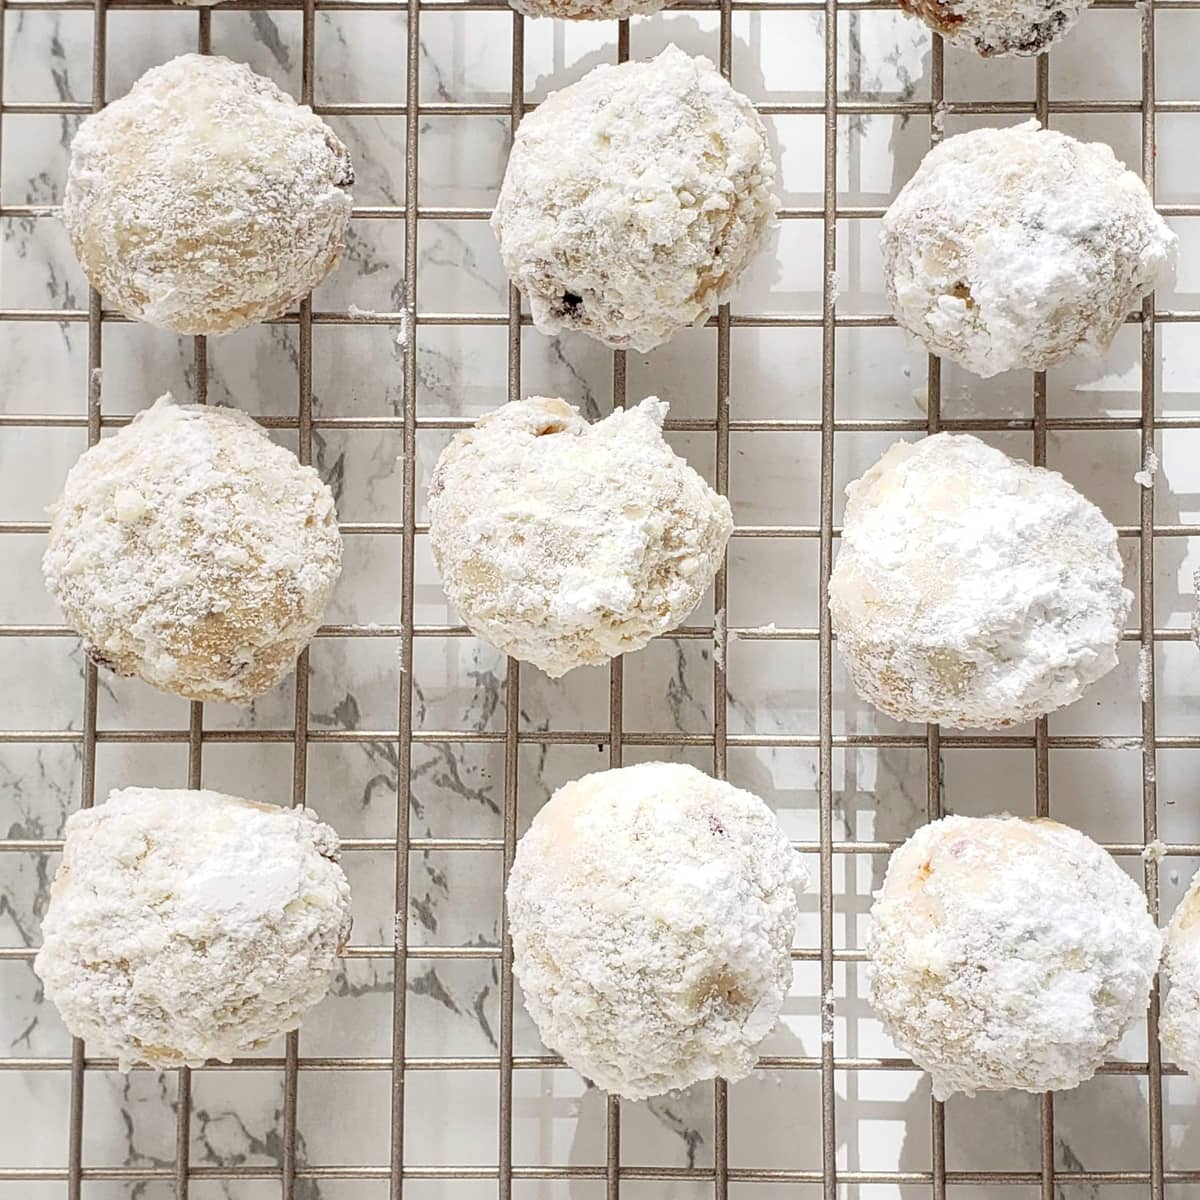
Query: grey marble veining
x=459, y=684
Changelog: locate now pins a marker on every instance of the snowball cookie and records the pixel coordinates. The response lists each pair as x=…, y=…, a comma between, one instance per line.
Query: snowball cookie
x=1179, y=1025
x=999, y=27
x=651, y=911
x=634, y=199
x=1020, y=247
x=192, y=551
x=206, y=199
x=565, y=544
x=185, y=926
x=1007, y=953
x=588, y=10
x=972, y=589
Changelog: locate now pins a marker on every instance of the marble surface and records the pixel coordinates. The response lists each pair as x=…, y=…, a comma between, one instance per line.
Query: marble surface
x=452, y=1116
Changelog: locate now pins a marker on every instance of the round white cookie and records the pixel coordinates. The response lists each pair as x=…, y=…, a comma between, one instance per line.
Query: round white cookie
x=186, y=925
x=565, y=544
x=1008, y=953
x=652, y=910
x=972, y=589
x=206, y=199
x=633, y=200
x=192, y=551
x=999, y=27
x=1179, y=1025
x=1019, y=247
x=589, y=10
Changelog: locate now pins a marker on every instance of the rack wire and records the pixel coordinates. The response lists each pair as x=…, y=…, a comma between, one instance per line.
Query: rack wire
x=615, y=1170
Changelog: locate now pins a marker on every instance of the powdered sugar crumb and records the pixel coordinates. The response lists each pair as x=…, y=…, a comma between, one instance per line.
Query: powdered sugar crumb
x=750, y=630
x=827, y=1015
x=1146, y=475
x=720, y=637
x=1154, y=851
x=1146, y=673
x=1119, y=743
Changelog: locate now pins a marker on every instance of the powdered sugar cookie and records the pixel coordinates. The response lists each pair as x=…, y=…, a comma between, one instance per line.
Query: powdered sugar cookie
x=192, y=551
x=565, y=544
x=206, y=199
x=1008, y=954
x=652, y=911
x=634, y=199
x=972, y=589
x=187, y=925
x=1017, y=248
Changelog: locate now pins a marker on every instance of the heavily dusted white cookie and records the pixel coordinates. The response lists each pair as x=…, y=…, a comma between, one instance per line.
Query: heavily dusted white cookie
x=1008, y=953
x=634, y=199
x=565, y=544
x=999, y=27
x=192, y=551
x=1018, y=247
x=1179, y=1025
x=652, y=911
x=972, y=589
x=187, y=925
x=588, y=10
x=206, y=199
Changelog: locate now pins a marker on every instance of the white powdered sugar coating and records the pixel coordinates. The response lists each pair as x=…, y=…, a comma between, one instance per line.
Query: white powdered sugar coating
x=1016, y=248
x=652, y=910
x=633, y=200
x=1008, y=953
x=206, y=199
x=565, y=544
x=589, y=10
x=192, y=551
x=188, y=925
x=1179, y=1022
x=999, y=27
x=972, y=589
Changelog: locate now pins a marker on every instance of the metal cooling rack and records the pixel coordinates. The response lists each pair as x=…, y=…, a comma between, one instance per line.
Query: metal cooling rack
x=1152, y=1179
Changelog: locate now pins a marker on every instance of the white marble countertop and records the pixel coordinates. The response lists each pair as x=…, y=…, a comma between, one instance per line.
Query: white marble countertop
x=451, y=1116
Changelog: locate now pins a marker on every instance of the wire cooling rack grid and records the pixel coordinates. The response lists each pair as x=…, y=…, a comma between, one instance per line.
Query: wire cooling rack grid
x=831, y=742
